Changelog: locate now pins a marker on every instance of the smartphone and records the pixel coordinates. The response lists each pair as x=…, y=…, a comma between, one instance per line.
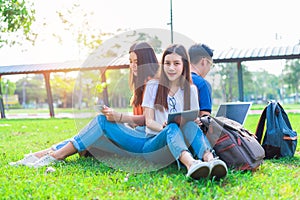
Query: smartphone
x=104, y=107
x=99, y=107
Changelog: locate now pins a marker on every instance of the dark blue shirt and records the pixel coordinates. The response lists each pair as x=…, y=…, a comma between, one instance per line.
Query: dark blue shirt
x=204, y=92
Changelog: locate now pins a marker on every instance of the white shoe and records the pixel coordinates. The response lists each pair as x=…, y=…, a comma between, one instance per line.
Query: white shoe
x=218, y=168
x=27, y=160
x=44, y=161
x=199, y=170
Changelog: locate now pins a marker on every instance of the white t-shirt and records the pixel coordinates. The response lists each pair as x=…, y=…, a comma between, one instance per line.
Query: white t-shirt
x=175, y=103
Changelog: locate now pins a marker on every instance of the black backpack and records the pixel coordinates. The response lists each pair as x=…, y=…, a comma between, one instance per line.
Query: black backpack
x=234, y=144
x=279, y=139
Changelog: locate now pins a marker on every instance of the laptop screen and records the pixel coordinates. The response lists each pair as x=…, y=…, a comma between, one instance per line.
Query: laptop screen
x=236, y=111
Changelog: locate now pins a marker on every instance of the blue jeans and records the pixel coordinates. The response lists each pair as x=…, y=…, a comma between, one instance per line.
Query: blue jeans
x=196, y=139
x=103, y=144
x=175, y=140
x=117, y=138
x=108, y=136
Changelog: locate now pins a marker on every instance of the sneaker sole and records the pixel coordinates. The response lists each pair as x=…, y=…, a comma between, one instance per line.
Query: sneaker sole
x=202, y=172
x=23, y=163
x=219, y=171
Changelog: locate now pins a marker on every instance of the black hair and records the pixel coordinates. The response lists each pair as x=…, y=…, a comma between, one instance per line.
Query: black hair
x=198, y=51
x=147, y=68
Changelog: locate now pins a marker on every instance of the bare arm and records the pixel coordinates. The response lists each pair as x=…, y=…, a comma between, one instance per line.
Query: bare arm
x=150, y=122
x=138, y=120
x=114, y=116
x=133, y=120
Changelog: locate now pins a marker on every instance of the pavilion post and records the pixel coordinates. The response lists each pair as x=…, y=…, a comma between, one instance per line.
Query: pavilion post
x=49, y=93
x=240, y=81
x=1, y=102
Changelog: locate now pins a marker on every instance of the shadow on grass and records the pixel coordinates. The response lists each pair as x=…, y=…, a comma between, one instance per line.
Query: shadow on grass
x=288, y=161
x=114, y=165
x=109, y=163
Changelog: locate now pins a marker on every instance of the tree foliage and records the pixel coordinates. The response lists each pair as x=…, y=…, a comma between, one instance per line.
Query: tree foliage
x=118, y=88
x=16, y=18
x=76, y=21
x=259, y=86
x=87, y=88
x=291, y=76
x=8, y=87
x=62, y=87
x=264, y=86
x=228, y=81
x=31, y=90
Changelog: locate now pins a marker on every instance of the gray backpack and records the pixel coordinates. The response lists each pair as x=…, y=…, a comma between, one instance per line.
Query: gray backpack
x=279, y=139
x=235, y=145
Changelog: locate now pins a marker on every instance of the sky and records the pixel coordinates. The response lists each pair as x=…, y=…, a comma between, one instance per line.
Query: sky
x=220, y=24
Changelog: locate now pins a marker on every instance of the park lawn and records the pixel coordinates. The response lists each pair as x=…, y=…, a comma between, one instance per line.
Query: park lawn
x=87, y=178
x=60, y=110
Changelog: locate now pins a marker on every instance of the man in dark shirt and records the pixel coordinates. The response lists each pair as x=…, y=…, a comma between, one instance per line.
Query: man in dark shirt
x=201, y=63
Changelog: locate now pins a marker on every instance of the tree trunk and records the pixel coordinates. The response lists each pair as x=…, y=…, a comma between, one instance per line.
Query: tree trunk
x=65, y=99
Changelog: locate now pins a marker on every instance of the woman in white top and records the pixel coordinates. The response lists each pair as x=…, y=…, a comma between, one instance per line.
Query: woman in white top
x=174, y=92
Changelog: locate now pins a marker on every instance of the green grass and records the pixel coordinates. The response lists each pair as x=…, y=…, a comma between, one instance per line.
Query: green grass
x=262, y=106
x=59, y=111
x=71, y=110
x=87, y=178
x=285, y=106
x=45, y=110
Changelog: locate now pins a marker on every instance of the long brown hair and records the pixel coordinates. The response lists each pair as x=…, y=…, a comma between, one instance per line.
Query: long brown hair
x=147, y=67
x=185, y=82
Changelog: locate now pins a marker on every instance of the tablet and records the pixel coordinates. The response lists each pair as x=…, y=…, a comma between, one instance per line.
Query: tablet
x=187, y=115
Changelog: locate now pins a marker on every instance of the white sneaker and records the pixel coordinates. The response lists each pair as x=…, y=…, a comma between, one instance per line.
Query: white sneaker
x=44, y=161
x=199, y=170
x=27, y=160
x=218, y=168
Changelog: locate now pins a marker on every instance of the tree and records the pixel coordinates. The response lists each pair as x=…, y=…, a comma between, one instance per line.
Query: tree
x=228, y=74
x=77, y=22
x=62, y=87
x=291, y=75
x=16, y=16
x=31, y=90
x=258, y=86
x=263, y=86
x=88, y=88
x=8, y=87
x=118, y=88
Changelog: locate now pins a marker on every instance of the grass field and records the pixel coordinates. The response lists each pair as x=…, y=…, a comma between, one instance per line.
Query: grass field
x=71, y=110
x=87, y=178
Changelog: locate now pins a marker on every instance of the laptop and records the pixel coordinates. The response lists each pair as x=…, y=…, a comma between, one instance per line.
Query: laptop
x=237, y=111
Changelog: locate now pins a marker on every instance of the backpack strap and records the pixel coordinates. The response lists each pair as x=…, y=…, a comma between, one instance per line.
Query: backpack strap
x=285, y=116
x=261, y=126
